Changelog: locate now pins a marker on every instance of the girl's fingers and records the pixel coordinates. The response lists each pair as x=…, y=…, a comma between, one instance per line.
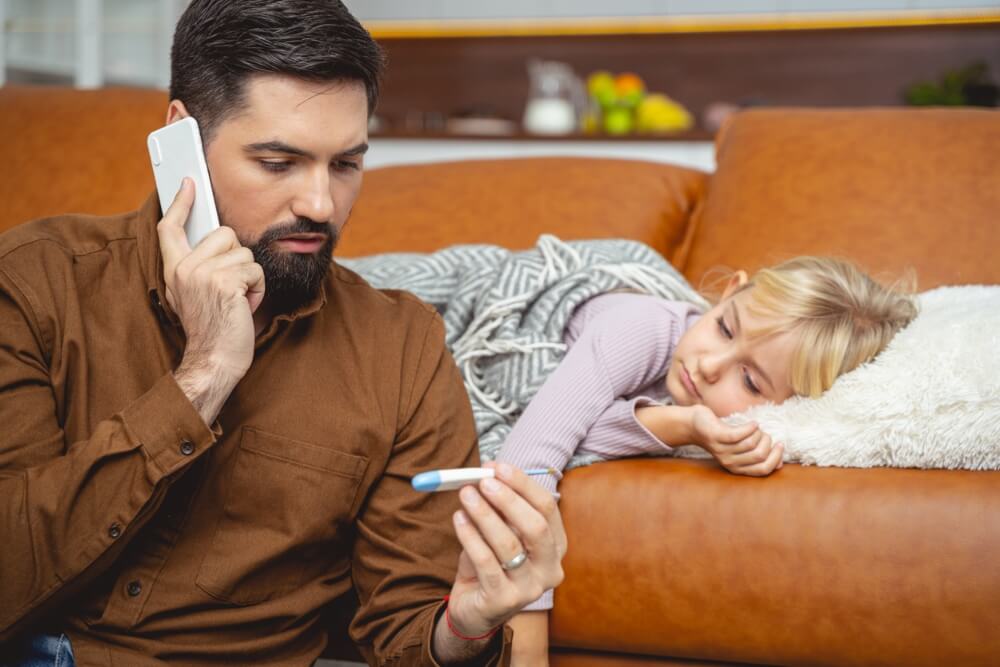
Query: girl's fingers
x=746, y=445
x=766, y=467
x=734, y=434
x=755, y=454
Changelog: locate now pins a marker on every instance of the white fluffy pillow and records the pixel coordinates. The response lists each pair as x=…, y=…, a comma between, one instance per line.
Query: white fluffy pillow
x=931, y=399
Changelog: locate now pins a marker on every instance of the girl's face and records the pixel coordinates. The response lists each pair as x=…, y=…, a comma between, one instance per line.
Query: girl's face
x=718, y=365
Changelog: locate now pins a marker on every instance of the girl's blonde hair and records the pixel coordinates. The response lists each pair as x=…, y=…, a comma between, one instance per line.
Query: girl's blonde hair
x=842, y=317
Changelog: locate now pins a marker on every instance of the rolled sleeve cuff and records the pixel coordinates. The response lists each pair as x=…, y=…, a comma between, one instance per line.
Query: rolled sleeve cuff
x=543, y=603
x=168, y=427
x=653, y=444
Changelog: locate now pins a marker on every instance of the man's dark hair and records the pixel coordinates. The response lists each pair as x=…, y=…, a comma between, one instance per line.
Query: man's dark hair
x=218, y=44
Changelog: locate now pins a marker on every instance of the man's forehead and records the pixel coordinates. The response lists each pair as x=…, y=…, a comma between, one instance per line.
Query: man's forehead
x=284, y=90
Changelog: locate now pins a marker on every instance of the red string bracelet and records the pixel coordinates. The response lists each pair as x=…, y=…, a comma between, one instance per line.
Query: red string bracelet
x=454, y=630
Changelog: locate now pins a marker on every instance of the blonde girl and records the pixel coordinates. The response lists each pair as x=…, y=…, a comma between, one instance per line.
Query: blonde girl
x=643, y=374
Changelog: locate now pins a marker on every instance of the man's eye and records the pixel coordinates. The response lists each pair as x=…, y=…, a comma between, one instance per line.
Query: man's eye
x=346, y=165
x=751, y=387
x=723, y=328
x=275, y=165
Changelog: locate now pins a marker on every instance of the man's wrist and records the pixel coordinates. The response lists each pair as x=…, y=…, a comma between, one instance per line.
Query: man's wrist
x=451, y=646
x=206, y=386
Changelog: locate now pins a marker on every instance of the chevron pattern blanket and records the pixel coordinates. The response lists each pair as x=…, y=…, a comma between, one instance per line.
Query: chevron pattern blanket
x=505, y=311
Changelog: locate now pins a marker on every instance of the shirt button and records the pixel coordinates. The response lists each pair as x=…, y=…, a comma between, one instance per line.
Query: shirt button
x=133, y=588
x=187, y=448
x=115, y=531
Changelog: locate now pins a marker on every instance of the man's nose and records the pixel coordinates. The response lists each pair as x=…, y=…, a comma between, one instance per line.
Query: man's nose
x=315, y=201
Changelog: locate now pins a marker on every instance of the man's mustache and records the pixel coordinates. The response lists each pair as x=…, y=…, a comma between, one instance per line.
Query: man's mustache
x=298, y=226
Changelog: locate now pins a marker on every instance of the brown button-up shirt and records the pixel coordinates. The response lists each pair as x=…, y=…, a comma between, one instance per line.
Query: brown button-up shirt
x=150, y=538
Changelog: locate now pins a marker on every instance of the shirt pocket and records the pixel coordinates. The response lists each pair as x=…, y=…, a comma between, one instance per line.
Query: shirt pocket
x=285, y=503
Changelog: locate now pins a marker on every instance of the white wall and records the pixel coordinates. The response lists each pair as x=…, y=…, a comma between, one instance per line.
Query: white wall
x=489, y=9
x=134, y=43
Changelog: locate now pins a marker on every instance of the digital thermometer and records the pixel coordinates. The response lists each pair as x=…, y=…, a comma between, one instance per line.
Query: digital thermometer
x=455, y=478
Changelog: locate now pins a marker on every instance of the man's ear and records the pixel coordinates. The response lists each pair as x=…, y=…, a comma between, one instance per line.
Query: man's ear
x=176, y=111
x=738, y=280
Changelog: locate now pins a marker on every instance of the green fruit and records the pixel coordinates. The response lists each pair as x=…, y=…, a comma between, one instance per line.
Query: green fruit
x=618, y=120
x=632, y=98
x=601, y=88
x=598, y=81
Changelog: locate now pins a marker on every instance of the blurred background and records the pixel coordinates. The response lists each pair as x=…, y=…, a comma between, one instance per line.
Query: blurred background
x=650, y=79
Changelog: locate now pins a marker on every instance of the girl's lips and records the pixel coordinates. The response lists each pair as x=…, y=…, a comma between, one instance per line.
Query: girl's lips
x=688, y=382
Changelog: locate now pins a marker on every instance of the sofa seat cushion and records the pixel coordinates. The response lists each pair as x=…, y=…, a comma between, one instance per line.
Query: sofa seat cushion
x=810, y=566
x=421, y=208
x=889, y=189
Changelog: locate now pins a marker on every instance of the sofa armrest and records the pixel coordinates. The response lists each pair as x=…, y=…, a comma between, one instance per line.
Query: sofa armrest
x=816, y=566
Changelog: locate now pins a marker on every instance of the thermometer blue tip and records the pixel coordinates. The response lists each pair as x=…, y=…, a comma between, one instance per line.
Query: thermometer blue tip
x=427, y=481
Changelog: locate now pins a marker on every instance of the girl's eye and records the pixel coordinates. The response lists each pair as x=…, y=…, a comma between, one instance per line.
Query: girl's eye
x=723, y=328
x=751, y=387
x=276, y=166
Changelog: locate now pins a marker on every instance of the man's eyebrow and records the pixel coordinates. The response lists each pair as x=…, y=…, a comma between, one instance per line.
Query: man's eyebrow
x=276, y=147
x=751, y=362
x=282, y=147
x=360, y=149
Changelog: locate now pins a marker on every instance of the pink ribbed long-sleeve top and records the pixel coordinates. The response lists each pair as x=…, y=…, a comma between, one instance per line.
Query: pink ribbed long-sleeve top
x=620, y=348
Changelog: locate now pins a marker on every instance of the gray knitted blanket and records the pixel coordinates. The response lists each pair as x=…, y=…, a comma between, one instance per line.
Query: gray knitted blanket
x=505, y=311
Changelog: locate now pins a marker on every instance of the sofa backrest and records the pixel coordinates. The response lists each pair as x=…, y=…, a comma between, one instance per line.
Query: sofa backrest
x=888, y=188
x=420, y=208
x=75, y=151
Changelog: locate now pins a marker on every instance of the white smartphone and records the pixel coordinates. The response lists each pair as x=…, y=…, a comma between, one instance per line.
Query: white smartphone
x=175, y=151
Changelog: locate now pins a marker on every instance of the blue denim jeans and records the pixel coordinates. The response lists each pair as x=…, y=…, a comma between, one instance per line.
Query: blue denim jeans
x=43, y=651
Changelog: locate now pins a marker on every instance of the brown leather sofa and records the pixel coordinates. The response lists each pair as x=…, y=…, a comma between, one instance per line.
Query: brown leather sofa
x=671, y=561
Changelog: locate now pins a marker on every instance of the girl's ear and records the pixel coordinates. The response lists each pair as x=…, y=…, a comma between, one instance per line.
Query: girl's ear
x=738, y=280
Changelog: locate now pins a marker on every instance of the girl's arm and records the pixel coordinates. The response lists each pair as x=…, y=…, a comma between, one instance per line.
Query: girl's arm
x=623, y=348
x=531, y=639
x=742, y=450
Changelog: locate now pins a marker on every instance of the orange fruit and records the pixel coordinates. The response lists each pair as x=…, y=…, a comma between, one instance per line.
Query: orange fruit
x=628, y=83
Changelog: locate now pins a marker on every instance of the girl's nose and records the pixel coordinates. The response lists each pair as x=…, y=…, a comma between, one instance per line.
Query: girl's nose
x=711, y=366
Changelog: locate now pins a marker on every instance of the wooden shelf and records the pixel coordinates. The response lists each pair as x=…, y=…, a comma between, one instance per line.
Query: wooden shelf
x=687, y=135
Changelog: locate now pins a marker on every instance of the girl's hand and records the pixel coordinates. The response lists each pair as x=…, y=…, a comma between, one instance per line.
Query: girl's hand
x=743, y=450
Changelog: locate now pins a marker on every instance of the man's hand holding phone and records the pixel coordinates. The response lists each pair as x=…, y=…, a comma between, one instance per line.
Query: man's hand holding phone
x=214, y=289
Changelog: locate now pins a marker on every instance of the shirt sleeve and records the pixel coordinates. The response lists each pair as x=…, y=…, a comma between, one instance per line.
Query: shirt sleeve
x=619, y=433
x=406, y=553
x=67, y=509
x=618, y=351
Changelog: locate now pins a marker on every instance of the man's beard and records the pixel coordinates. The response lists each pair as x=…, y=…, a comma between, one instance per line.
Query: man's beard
x=293, y=279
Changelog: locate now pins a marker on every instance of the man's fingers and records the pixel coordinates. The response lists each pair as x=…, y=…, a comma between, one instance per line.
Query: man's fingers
x=491, y=576
x=234, y=257
x=493, y=528
x=537, y=497
x=173, y=241
x=217, y=242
